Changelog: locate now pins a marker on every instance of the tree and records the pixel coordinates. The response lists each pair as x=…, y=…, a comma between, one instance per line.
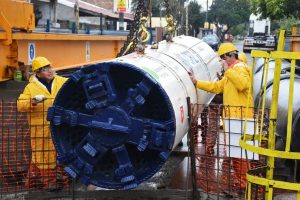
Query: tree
x=229, y=13
x=158, y=9
x=194, y=16
x=158, y=6
x=287, y=23
x=155, y=6
x=276, y=9
x=239, y=30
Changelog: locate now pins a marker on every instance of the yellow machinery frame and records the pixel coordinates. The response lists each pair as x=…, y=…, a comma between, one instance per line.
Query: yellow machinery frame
x=270, y=151
x=63, y=50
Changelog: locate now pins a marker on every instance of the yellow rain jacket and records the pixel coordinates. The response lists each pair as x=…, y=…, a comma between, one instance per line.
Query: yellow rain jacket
x=235, y=87
x=43, y=152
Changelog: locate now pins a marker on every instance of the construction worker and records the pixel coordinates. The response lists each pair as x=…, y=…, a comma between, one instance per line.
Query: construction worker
x=235, y=86
x=37, y=97
x=242, y=57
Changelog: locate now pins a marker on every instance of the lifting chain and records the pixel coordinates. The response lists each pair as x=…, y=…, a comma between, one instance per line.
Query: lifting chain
x=167, y=6
x=138, y=35
x=131, y=42
x=169, y=29
x=142, y=36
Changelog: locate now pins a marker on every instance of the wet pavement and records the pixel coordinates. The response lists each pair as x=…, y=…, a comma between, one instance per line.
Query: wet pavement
x=171, y=182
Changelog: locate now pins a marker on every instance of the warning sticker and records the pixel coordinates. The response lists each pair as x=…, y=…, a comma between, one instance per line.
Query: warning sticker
x=181, y=114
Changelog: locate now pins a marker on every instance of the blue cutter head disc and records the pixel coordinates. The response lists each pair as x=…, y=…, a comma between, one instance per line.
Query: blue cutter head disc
x=112, y=125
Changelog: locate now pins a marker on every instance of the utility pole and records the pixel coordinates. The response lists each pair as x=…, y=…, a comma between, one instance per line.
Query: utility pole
x=187, y=18
x=206, y=14
x=150, y=18
x=76, y=11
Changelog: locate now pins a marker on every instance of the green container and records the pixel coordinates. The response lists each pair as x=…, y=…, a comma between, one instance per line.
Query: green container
x=18, y=75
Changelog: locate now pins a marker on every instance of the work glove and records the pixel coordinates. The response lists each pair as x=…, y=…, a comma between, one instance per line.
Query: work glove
x=39, y=98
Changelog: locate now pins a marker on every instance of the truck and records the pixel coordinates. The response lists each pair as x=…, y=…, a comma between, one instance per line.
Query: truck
x=259, y=36
x=21, y=40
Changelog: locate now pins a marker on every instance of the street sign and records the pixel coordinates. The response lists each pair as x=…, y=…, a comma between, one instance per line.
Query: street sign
x=31, y=52
x=121, y=5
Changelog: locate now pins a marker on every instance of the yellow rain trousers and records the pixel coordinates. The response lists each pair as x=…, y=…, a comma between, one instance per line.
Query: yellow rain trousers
x=43, y=152
x=235, y=86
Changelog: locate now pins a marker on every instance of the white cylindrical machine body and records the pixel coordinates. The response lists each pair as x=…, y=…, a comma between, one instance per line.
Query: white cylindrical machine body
x=114, y=124
x=283, y=99
x=169, y=66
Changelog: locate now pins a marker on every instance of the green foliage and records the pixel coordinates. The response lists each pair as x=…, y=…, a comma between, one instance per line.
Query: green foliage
x=287, y=23
x=176, y=9
x=274, y=26
x=240, y=29
x=134, y=3
x=196, y=19
x=276, y=9
x=230, y=12
x=194, y=15
x=157, y=6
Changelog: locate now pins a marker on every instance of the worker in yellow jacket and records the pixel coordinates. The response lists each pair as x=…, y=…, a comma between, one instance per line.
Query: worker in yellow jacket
x=235, y=84
x=36, y=98
x=243, y=57
x=237, y=93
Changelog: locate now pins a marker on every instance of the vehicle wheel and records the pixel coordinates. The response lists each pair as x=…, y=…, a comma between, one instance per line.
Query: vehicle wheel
x=246, y=51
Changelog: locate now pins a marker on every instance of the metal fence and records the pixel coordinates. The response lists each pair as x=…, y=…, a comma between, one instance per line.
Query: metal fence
x=219, y=163
x=15, y=147
x=19, y=151
x=28, y=170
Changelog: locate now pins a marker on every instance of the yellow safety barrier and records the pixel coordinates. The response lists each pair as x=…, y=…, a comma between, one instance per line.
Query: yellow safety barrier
x=267, y=179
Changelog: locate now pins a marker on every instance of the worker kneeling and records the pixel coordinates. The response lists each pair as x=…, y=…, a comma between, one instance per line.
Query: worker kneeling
x=235, y=86
x=37, y=97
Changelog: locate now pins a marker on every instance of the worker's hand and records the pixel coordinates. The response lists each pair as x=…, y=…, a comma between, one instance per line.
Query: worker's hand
x=224, y=65
x=194, y=80
x=38, y=98
x=220, y=76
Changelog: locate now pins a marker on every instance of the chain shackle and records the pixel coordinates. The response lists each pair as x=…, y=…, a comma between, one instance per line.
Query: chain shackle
x=167, y=6
x=131, y=41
